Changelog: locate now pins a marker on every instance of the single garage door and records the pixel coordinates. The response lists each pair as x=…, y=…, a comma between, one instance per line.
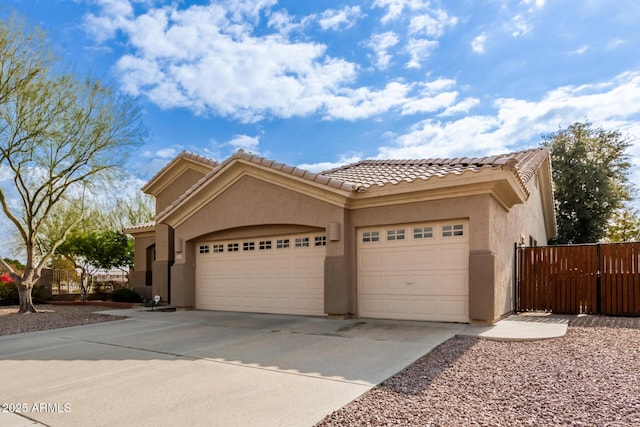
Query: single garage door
x=414, y=271
x=279, y=274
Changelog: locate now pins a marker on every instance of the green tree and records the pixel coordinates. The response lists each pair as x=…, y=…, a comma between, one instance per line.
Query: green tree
x=60, y=138
x=96, y=250
x=624, y=225
x=590, y=177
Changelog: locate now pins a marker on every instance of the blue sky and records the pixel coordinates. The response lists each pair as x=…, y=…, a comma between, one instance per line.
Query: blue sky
x=321, y=83
x=317, y=84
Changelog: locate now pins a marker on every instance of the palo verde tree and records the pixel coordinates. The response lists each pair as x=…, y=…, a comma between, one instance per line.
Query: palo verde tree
x=60, y=137
x=590, y=177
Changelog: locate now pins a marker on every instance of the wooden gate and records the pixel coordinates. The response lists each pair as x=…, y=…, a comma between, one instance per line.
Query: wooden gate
x=575, y=279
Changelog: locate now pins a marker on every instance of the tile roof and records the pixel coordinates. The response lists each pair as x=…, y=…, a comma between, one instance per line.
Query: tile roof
x=258, y=160
x=183, y=155
x=140, y=227
x=370, y=173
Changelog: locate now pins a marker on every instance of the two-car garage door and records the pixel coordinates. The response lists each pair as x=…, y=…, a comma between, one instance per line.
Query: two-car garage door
x=278, y=274
x=414, y=271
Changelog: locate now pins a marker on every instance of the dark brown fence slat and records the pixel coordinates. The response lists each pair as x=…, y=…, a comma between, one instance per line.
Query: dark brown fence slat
x=564, y=279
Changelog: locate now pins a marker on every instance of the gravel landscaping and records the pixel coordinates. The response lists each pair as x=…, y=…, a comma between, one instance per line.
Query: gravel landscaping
x=590, y=377
x=50, y=317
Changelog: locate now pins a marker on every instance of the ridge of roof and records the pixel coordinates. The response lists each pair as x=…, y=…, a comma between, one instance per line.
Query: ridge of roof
x=140, y=227
x=377, y=172
x=262, y=161
x=184, y=154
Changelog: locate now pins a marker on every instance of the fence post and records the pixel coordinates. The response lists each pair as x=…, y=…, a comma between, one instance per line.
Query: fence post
x=598, y=282
x=516, y=277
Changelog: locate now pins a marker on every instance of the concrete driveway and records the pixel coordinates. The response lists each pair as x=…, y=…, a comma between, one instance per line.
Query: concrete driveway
x=203, y=368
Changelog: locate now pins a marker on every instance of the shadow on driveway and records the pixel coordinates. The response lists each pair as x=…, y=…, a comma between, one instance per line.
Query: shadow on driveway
x=236, y=368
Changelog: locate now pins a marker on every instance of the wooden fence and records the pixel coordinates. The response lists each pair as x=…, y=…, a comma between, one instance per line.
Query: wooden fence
x=575, y=279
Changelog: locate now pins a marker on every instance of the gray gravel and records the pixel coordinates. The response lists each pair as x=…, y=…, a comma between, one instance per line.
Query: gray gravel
x=50, y=317
x=590, y=377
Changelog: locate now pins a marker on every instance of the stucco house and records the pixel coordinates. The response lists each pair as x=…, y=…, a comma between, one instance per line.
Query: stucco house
x=394, y=239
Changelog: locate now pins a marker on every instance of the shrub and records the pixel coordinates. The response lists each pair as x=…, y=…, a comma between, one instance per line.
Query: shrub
x=125, y=295
x=38, y=294
x=8, y=293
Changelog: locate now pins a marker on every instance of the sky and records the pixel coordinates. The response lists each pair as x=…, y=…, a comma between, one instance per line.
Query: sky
x=318, y=84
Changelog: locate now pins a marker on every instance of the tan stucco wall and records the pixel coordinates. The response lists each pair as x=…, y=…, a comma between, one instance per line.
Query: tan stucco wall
x=176, y=188
x=251, y=207
x=507, y=227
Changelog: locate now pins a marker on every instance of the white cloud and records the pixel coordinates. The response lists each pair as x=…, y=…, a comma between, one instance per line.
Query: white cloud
x=380, y=43
x=333, y=19
x=461, y=107
x=430, y=104
x=419, y=50
x=344, y=159
x=438, y=85
x=614, y=44
x=478, y=43
x=579, y=51
x=537, y=3
x=5, y=173
x=116, y=14
x=613, y=104
x=199, y=58
x=360, y=103
x=166, y=153
x=432, y=24
x=520, y=25
x=245, y=142
x=396, y=7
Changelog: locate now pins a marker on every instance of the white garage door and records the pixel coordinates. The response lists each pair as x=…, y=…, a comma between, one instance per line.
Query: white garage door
x=414, y=271
x=280, y=274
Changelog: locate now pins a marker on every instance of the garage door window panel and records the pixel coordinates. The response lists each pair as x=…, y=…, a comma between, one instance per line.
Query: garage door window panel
x=452, y=230
x=395, y=234
x=265, y=245
x=370, y=236
x=282, y=244
x=423, y=233
x=302, y=242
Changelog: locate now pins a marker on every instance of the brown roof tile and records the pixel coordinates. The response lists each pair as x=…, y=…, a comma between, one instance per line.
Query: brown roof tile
x=140, y=227
x=368, y=173
x=184, y=155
